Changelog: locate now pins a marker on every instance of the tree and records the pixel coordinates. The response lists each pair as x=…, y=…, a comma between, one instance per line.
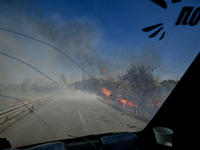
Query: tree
x=169, y=84
x=26, y=85
x=138, y=85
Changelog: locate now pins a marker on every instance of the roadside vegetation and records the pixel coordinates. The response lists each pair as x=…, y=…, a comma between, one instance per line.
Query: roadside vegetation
x=137, y=89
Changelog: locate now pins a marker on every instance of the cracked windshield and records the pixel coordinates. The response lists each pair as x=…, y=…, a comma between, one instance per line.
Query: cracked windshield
x=76, y=68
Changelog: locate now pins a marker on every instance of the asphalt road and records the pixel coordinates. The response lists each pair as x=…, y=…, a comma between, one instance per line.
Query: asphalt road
x=71, y=113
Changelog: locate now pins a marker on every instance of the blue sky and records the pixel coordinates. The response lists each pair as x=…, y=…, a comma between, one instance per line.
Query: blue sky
x=98, y=34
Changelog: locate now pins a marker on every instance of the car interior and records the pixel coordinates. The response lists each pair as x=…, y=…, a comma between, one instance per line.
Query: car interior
x=82, y=43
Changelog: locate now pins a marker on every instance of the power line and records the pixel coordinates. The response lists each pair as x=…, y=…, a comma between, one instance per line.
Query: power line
x=28, y=66
x=170, y=72
x=24, y=35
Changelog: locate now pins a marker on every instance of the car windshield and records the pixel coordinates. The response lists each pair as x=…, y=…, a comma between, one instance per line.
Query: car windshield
x=82, y=67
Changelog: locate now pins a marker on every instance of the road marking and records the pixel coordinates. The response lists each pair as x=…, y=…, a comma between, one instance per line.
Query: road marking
x=81, y=117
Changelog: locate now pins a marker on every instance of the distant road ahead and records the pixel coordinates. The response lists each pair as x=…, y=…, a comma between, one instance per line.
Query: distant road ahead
x=71, y=113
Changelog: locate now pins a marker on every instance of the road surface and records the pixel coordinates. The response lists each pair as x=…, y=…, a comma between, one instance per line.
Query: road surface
x=70, y=113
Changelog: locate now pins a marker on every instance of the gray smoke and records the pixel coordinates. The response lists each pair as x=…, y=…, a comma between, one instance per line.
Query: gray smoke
x=78, y=37
x=74, y=36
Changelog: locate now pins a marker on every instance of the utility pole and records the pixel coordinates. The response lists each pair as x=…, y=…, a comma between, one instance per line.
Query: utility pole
x=83, y=77
x=117, y=72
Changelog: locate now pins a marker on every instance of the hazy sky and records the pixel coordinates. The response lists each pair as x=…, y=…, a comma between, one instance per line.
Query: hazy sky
x=96, y=34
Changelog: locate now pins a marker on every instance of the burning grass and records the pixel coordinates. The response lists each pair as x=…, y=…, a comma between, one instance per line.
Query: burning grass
x=141, y=107
x=137, y=90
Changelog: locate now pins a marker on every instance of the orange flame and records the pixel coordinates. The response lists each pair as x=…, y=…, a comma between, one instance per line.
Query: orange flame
x=152, y=102
x=105, y=91
x=105, y=71
x=119, y=99
x=126, y=102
